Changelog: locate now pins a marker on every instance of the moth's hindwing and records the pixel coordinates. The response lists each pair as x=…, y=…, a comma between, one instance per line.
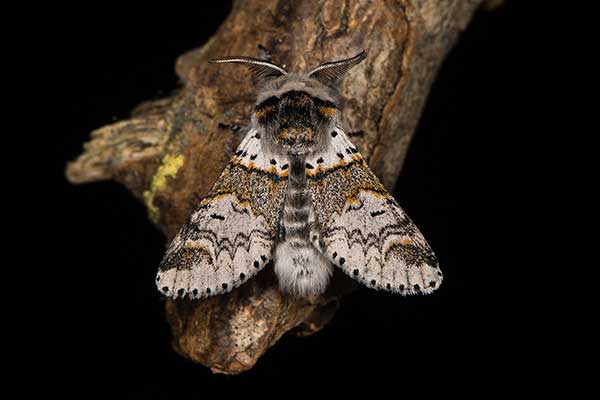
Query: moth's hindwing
x=363, y=229
x=229, y=237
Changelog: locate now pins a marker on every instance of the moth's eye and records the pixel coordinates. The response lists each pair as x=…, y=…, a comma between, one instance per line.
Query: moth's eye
x=266, y=109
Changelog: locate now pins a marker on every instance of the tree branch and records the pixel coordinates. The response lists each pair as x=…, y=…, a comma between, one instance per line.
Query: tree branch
x=171, y=151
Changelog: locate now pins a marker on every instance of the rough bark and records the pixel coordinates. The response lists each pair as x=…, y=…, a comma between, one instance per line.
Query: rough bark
x=170, y=151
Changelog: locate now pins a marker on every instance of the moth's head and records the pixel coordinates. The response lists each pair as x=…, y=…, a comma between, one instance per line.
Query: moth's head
x=297, y=110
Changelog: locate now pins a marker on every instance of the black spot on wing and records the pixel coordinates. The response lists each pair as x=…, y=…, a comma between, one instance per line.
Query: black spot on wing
x=376, y=213
x=239, y=210
x=352, y=207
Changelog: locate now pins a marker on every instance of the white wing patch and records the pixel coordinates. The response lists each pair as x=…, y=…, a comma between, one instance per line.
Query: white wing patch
x=252, y=154
x=340, y=151
x=230, y=236
x=362, y=228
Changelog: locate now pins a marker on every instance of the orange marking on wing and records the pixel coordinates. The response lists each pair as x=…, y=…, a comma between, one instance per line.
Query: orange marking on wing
x=252, y=166
x=318, y=170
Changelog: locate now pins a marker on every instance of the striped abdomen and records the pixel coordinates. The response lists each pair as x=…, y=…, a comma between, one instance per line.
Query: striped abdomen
x=297, y=206
x=299, y=265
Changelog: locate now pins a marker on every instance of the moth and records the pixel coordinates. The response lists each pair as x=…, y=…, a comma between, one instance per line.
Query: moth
x=298, y=193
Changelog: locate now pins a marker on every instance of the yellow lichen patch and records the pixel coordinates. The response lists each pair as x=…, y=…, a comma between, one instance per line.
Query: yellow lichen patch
x=168, y=168
x=327, y=111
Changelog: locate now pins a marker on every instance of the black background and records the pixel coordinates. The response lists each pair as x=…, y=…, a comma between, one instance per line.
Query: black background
x=455, y=185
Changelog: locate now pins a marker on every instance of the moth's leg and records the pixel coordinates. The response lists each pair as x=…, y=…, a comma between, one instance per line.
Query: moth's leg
x=315, y=238
x=314, y=234
x=235, y=128
x=357, y=134
x=281, y=233
x=263, y=53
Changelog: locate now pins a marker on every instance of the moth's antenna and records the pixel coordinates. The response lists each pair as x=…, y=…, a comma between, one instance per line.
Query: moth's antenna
x=261, y=69
x=331, y=72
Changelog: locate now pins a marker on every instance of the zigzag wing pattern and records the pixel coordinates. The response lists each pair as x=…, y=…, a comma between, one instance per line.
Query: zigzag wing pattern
x=230, y=236
x=362, y=228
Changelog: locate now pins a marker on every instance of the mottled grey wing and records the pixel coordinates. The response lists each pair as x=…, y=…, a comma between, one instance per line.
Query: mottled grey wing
x=363, y=229
x=230, y=236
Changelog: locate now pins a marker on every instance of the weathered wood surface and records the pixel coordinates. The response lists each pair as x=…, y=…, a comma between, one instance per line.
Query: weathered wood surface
x=170, y=151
